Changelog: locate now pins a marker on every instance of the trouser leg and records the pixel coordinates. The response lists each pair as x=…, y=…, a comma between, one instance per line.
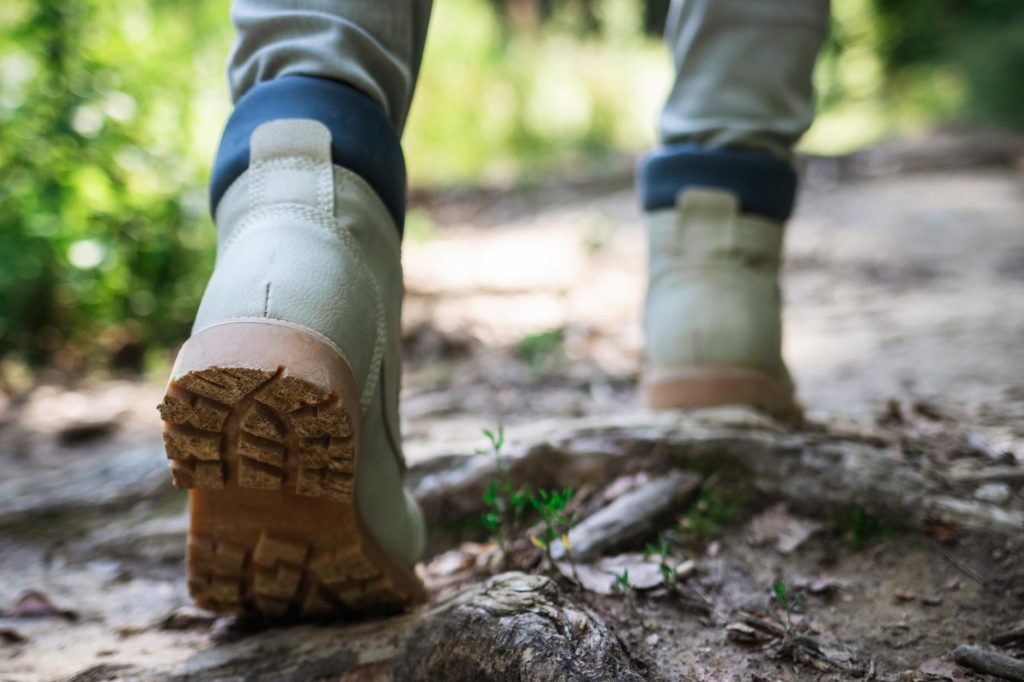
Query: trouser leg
x=350, y=64
x=743, y=72
x=374, y=46
x=741, y=99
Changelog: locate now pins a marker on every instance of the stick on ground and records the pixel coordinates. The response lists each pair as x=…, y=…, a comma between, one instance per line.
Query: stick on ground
x=989, y=662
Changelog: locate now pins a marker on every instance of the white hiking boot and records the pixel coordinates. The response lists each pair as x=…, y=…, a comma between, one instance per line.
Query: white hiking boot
x=712, y=319
x=281, y=415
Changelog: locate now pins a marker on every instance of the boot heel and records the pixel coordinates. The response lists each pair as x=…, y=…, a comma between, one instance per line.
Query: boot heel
x=261, y=424
x=710, y=386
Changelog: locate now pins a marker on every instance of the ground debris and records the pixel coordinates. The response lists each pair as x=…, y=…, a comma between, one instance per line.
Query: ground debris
x=996, y=493
x=745, y=634
x=1009, y=636
x=917, y=469
x=86, y=431
x=940, y=669
x=989, y=662
x=1006, y=475
x=902, y=596
x=778, y=526
x=599, y=577
x=630, y=517
x=891, y=415
x=796, y=642
x=823, y=585
x=813, y=471
x=187, y=618
x=12, y=636
x=946, y=532
x=35, y=604
x=512, y=626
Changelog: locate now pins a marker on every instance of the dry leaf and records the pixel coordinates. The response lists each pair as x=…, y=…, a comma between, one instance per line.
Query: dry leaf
x=599, y=577
x=35, y=604
x=777, y=525
x=938, y=669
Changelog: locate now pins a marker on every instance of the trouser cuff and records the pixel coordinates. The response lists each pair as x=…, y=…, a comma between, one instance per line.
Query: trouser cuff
x=765, y=184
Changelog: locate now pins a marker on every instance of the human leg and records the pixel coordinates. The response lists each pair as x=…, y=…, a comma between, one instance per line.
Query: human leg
x=281, y=415
x=716, y=196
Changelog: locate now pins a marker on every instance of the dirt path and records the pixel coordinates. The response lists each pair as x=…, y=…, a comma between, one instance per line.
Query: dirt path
x=905, y=324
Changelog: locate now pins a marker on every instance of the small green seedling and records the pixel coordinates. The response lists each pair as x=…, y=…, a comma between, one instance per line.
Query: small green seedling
x=505, y=504
x=715, y=507
x=623, y=584
x=690, y=595
x=791, y=641
x=860, y=528
x=557, y=522
x=662, y=551
x=543, y=350
x=788, y=604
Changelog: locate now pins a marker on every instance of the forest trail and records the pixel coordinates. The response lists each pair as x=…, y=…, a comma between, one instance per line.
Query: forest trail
x=896, y=511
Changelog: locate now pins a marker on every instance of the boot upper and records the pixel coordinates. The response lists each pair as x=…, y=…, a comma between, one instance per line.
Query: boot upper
x=713, y=296
x=304, y=241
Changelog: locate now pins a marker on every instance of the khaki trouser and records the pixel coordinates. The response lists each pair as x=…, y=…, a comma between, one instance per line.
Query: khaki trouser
x=373, y=45
x=743, y=67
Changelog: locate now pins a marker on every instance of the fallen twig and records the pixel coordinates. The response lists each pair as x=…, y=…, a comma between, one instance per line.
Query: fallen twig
x=997, y=474
x=989, y=662
x=691, y=598
x=1014, y=634
x=12, y=636
x=963, y=569
x=744, y=634
x=779, y=631
x=629, y=518
x=805, y=647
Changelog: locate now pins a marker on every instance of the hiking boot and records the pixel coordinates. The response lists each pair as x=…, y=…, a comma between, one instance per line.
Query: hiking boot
x=281, y=414
x=713, y=313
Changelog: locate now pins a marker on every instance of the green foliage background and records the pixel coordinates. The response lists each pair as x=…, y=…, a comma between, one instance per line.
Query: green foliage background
x=110, y=112
x=107, y=113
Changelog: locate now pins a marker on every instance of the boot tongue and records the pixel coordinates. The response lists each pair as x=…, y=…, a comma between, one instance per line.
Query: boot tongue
x=709, y=226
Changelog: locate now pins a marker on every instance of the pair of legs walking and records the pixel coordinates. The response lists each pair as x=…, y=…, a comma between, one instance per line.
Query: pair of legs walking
x=281, y=415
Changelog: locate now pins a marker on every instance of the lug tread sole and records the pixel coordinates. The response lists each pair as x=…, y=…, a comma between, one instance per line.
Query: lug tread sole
x=270, y=460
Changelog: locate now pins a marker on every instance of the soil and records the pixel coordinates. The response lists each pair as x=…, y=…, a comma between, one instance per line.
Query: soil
x=904, y=326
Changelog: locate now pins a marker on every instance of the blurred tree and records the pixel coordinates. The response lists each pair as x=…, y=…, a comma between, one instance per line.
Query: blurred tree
x=104, y=242
x=655, y=14
x=110, y=113
x=983, y=40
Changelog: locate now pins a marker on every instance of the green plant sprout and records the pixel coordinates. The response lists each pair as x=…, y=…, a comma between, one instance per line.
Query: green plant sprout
x=543, y=350
x=504, y=502
x=623, y=583
x=859, y=528
x=557, y=522
x=788, y=604
x=662, y=551
x=715, y=508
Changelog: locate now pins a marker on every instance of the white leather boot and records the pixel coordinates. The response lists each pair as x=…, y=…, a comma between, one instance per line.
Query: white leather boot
x=281, y=415
x=712, y=318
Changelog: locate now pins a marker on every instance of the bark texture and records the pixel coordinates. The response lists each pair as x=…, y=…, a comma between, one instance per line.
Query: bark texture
x=815, y=471
x=512, y=627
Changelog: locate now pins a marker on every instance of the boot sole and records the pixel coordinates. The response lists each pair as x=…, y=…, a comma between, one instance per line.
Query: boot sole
x=712, y=386
x=261, y=425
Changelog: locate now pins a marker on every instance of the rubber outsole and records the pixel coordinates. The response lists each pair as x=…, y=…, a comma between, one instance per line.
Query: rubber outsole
x=713, y=386
x=261, y=425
